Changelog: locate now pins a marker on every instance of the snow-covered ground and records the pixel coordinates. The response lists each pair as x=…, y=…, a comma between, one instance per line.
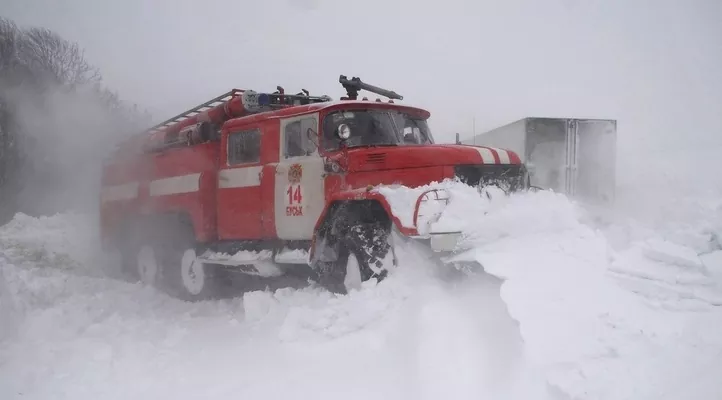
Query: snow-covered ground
x=609, y=309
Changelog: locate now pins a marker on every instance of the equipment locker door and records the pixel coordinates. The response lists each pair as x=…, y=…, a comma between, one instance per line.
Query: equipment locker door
x=239, y=185
x=299, y=180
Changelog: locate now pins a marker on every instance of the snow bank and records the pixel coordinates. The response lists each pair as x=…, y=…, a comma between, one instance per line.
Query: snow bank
x=603, y=324
x=66, y=241
x=713, y=262
x=471, y=211
x=598, y=314
x=32, y=252
x=88, y=337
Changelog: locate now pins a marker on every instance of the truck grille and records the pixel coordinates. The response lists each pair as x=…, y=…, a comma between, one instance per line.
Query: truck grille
x=376, y=158
x=510, y=178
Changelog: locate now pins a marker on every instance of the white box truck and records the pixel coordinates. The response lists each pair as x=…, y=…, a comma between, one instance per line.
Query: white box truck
x=572, y=156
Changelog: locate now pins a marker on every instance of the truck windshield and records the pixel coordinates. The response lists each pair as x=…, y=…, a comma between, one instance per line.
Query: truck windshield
x=376, y=128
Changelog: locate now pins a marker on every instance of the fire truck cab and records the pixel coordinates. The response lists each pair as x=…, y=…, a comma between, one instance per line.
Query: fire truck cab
x=267, y=183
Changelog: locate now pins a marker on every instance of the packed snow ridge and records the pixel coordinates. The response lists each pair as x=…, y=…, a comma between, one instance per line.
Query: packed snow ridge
x=575, y=306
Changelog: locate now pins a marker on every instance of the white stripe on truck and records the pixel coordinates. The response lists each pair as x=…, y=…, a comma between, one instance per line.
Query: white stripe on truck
x=125, y=191
x=503, y=156
x=176, y=185
x=487, y=157
x=240, y=177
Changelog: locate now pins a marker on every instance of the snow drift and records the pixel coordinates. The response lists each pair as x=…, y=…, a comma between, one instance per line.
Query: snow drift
x=597, y=313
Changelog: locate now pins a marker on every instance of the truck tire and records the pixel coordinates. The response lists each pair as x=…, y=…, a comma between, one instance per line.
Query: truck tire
x=183, y=276
x=127, y=247
x=361, y=252
x=148, y=268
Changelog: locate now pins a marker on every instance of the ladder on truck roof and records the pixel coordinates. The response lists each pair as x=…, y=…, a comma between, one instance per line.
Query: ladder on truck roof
x=277, y=99
x=214, y=102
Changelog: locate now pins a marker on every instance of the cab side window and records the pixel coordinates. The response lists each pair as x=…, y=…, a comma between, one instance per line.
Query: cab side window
x=296, y=137
x=244, y=147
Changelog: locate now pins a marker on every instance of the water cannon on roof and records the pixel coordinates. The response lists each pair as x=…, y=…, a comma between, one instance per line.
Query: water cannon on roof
x=355, y=84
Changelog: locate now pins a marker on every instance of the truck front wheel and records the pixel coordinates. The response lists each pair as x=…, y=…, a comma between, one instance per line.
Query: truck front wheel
x=362, y=253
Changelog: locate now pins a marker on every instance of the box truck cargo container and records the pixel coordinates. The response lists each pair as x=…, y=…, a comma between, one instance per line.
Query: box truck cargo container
x=572, y=156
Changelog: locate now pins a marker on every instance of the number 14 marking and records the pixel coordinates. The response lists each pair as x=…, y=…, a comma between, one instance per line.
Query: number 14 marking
x=294, y=194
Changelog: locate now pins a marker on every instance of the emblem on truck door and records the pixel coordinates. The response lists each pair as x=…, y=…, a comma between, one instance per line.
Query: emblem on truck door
x=295, y=173
x=294, y=206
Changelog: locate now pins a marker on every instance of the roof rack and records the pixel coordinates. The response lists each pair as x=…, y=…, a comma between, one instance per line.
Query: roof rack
x=275, y=100
x=214, y=102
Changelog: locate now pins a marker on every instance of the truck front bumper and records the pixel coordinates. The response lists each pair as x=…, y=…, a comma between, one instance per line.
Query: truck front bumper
x=442, y=242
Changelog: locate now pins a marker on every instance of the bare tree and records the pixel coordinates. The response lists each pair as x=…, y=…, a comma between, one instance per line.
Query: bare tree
x=8, y=43
x=50, y=95
x=55, y=59
x=9, y=67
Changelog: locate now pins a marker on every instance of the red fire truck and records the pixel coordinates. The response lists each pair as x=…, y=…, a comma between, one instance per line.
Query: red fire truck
x=268, y=183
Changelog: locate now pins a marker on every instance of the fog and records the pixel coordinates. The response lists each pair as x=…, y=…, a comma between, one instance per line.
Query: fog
x=635, y=321
x=652, y=65
x=647, y=63
x=71, y=135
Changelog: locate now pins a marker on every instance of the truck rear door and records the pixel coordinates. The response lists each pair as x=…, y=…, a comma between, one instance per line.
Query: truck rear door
x=548, y=154
x=239, y=184
x=595, y=160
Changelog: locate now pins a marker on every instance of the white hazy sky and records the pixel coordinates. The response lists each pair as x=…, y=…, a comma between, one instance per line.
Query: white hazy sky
x=654, y=65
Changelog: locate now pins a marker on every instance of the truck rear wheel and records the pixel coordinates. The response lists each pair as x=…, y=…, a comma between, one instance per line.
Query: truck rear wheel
x=177, y=271
x=187, y=278
x=184, y=276
x=193, y=273
x=147, y=263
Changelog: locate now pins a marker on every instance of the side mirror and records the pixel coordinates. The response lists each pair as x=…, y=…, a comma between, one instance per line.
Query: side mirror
x=343, y=132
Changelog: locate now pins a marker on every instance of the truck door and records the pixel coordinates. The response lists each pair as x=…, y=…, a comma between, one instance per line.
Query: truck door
x=239, y=184
x=299, y=195
x=595, y=166
x=570, y=176
x=547, y=153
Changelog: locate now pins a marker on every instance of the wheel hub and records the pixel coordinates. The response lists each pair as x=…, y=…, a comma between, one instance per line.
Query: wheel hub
x=192, y=272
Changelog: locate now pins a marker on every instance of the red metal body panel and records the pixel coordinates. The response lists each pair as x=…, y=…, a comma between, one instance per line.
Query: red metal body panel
x=402, y=157
x=412, y=177
x=270, y=154
x=185, y=160
x=200, y=204
x=120, y=173
x=268, y=191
